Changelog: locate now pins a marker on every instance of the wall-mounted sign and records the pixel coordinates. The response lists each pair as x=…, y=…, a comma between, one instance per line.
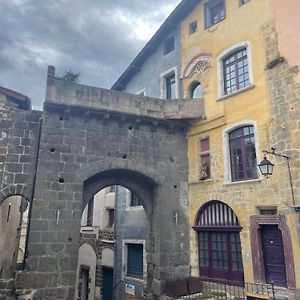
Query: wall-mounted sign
x=130, y=289
x=198, y=64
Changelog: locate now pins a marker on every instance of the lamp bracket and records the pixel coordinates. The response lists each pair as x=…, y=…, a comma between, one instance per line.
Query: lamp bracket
x=273, y=152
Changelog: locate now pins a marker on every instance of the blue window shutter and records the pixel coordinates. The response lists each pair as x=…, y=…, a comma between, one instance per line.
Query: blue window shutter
x=135, y=260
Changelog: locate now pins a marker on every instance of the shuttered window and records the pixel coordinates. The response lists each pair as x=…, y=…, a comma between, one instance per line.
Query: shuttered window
x=135, y=260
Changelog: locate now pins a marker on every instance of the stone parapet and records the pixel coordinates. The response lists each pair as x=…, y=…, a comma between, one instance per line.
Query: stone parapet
x=64, y=93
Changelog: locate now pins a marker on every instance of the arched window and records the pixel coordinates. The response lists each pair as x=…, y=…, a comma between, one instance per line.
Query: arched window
x=220, y=255
x=196, y=90
x=242, y=153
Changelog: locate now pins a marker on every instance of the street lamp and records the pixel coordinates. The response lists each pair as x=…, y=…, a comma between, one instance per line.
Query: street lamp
x=266, y=167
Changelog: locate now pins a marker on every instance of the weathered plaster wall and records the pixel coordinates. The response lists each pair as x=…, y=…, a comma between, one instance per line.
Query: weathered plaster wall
x=87, y=258
x=148, y=77
x=131, y=224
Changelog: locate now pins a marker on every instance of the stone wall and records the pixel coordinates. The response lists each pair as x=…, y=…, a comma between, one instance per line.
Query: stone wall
x=18, y=149
x=93, y=138
x=132, y=224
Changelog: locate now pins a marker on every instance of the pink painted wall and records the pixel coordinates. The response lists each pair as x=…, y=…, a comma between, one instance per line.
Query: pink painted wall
x=287, y=19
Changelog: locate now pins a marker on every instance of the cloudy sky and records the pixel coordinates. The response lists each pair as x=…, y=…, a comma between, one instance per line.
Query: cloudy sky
x=97, y=38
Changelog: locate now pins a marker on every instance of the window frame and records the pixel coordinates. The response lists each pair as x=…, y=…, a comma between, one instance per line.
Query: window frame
x=170, y=82
x=128, y=203
x=90, y=213
x=217, y=219
x=204, y=153
x=193, y=27
x=220, y=69
x=125, y=275
x=193, y=86
x=240, y=142
x=110, y=212
x=208, y=6
x=169, y=45
x=242, y=2
x=226, y=151
x=163, y=85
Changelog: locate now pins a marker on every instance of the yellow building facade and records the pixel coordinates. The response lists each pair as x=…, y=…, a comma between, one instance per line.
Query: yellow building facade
x=236, y=56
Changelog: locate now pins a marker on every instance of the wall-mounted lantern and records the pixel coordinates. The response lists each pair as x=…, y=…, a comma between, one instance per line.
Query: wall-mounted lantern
x=266, y=169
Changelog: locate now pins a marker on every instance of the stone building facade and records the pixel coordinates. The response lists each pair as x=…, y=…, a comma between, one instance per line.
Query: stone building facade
x=89, y=139
x=240, y=58
x=19, y=134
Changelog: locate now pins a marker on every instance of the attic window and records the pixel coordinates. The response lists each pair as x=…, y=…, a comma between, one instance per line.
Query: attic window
x=214, y=12
x=169, y=45
x=193, y=27
x=242, y=2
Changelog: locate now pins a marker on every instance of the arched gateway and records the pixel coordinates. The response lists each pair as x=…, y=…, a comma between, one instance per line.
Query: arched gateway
x=92, y=138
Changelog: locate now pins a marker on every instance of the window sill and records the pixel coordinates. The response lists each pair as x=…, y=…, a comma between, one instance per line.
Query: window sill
x=243, y=181
x=201, y=181
x=134, y=280
x=250, y=87
x=135, y=208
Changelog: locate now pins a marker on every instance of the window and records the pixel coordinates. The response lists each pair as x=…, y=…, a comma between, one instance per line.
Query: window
x=220, y=253
x=135, y=200
x=135, y=260
x=242, y=154
x=170, y=86
x=268, y=211
x=90, y=213
x=214, y=12
x=243, y=1
x=205, y=159
x=193, y=27
x=236, y=71
x=110, y=217
x=169, y=45
x=84, y=287
x=196, y=91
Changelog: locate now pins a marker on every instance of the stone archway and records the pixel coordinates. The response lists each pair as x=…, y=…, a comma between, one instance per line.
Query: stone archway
x=92, y=138
x=14, y=212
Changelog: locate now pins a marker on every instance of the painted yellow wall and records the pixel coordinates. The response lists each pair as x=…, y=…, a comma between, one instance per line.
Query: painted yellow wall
x=242, y=24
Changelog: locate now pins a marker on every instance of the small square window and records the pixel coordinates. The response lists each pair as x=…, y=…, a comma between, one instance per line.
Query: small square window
x=135, y=200
x=268, y=211
x=214, y=12
x=193, y=27
x=242, y=2
x=169, y=45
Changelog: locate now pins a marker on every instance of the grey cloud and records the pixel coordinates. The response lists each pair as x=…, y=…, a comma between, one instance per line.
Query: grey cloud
x=86, y=36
